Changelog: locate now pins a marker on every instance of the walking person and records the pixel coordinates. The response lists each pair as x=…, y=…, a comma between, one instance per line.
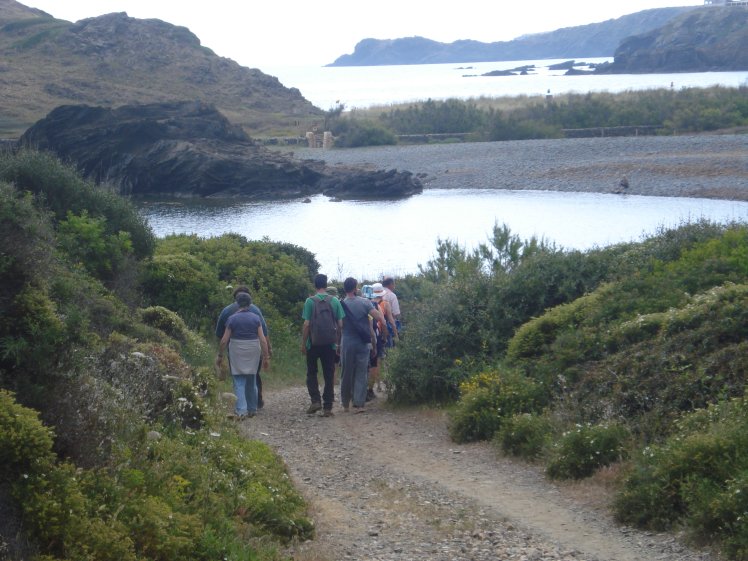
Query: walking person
x=391, y=298
x=230, y=310
x=248, y=348
x=386, y=338
x=358, y=342
x=320, y=341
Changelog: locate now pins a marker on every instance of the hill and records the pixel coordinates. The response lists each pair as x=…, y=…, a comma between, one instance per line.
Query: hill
x=710, y=39
x=114, y=60
x=592, y=40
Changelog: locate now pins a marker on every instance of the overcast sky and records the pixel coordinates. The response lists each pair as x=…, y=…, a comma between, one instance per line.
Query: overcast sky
x=267, y=33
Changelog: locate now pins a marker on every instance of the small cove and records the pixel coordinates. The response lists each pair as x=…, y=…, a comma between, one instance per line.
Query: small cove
x=367, y=239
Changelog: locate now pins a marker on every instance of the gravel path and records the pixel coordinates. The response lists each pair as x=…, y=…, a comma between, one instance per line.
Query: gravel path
x=389, y=485
x=709, y=166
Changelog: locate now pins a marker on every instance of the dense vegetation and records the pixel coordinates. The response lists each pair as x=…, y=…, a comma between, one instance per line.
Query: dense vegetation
x=666, y=111
x=113, y=442
x=633, y=355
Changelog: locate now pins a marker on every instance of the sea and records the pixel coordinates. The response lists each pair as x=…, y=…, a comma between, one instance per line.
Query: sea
x=368, y=240
x=361, y=87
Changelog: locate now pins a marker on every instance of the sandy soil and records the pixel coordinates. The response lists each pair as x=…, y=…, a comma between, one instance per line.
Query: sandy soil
x=388, y=484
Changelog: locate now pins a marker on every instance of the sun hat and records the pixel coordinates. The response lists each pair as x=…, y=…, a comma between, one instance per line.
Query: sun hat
x=377, y=290
x=332, y=290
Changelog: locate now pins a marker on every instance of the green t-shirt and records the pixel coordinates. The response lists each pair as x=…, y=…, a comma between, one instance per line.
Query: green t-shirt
x=306, y=314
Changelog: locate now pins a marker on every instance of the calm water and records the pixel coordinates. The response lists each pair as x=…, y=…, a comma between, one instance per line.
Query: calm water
x=368, y=239
x=364, y=86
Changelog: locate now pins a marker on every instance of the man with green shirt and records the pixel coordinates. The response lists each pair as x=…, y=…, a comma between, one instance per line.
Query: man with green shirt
x=325, y=352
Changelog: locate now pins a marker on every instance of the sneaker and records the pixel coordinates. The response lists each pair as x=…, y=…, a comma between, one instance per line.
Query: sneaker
x=328, y=413
x=250, y=414
x=313, y=408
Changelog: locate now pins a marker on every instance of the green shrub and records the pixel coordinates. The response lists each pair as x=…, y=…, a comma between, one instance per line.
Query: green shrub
x=182, y=283
x=586, y=448
x=525, y=435
x=690, y=476
x=426, y=366
x=718, y=513
x=352, y=133
x=84, y=240
x=25, y=444
x=488, y=399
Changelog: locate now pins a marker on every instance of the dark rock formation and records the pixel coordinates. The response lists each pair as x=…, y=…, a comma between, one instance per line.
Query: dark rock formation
x=711, y=38
x=190, y=149
x=592, y=40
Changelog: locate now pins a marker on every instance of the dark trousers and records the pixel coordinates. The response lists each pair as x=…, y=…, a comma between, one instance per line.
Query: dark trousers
x=259, y=385
x=326, y=355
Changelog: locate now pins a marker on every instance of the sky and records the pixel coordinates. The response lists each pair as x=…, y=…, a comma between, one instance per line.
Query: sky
x=275, y=33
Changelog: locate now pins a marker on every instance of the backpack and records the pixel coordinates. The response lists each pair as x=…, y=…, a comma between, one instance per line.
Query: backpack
x=323, y=327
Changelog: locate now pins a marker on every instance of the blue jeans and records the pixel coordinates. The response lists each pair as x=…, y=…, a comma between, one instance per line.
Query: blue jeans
x=245, y=389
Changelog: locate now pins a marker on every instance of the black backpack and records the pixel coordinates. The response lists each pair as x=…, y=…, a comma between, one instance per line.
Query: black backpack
x=323, y=327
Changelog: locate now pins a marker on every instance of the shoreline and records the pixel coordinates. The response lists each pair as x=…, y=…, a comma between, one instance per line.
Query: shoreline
x=694, y=166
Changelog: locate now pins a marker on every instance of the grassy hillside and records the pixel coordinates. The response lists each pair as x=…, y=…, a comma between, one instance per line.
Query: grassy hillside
x=114, y=60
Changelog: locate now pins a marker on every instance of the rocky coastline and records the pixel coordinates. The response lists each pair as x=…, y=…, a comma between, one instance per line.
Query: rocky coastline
x=189, y=149
x=711, y=166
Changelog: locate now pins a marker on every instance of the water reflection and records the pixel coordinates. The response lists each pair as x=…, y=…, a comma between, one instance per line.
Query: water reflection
x=368, y=239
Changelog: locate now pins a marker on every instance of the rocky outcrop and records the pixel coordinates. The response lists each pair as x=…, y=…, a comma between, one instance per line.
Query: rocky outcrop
x=190, y=149
x=711, y=38
x=592, y=40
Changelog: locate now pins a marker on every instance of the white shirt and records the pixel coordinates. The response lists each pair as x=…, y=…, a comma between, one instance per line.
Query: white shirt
x=391, y=298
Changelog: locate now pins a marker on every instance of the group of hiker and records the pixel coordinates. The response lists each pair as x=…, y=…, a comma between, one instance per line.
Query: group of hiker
x=354, y=332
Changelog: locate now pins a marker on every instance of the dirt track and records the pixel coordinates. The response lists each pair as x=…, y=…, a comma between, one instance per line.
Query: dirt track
x=389, y=485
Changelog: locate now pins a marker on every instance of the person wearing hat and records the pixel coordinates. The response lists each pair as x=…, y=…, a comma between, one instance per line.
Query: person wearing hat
x=387, y=332
x=247, y=348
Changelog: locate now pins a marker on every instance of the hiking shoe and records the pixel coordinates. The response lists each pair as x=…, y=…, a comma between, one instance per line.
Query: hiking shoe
x=370, y=395
x=328, y=413
x=313, y=408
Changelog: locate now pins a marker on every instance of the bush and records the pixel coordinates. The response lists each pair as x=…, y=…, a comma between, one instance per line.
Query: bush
x=61, y=190
x=352, y=133
x=488, y=399
x=690, y=476
x=524, y=435
x=586, y=448
x=426, y=366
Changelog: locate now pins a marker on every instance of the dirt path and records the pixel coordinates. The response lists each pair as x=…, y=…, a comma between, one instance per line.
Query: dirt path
x=390, y=485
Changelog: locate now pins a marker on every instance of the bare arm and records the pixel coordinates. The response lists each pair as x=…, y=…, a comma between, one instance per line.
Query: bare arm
x=265, y=348
x=304, y=336
x=222, y=348
x=377, y=315
x=391, y=320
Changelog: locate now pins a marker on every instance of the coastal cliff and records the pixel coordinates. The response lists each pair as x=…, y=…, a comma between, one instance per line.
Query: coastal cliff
x=709, y=39
x=592, y=40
